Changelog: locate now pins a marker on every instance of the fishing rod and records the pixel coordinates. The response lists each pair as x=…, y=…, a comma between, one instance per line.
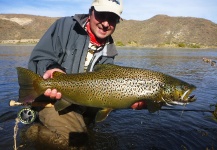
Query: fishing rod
x=214, y=112
x=27, y=115
x=33, y=104
x=49, y=105
x=194, y=110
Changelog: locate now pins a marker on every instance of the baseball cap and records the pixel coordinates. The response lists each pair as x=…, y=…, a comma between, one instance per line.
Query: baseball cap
x=115, y=6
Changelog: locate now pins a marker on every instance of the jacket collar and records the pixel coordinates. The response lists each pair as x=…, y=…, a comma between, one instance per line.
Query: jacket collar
x=82, y=18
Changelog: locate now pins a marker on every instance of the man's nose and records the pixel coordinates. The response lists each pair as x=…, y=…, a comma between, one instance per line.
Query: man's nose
x=105, y=23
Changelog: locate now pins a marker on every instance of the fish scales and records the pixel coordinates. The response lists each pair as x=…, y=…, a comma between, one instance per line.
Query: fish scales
x=109, y=86
x=106, y=89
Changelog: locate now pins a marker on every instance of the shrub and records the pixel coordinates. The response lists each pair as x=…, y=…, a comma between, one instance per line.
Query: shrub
x=181, y=45
x=119, y=43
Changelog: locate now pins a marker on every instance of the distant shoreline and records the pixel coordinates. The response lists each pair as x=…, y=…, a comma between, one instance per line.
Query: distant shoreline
x=35, y=41
x=21, y=41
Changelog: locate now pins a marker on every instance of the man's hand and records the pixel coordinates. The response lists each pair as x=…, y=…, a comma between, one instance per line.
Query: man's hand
x=139, y=105
x=52, y=93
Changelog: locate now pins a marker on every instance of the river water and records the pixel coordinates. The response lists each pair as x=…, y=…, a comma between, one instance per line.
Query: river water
x=134, y=129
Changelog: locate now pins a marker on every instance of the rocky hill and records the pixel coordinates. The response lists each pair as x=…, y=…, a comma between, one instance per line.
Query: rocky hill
x=17, y=27
x=158, y=31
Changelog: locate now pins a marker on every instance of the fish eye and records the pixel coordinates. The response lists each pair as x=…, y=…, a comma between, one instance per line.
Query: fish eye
x=184, y=87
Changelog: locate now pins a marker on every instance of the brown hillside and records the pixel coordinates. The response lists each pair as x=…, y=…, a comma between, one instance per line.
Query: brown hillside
x=161, y=30
x=33, y=29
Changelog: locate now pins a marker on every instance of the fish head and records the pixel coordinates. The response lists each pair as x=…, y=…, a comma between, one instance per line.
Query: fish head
x=177, y=93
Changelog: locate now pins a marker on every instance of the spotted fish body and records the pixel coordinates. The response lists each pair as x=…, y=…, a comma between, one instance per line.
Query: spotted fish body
x=109, y=86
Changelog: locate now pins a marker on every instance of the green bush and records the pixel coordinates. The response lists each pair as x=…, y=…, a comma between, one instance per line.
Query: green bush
x=119, y=43
x=181, y=45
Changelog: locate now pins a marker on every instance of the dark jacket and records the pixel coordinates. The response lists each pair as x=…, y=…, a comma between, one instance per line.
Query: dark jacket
x=65, y=46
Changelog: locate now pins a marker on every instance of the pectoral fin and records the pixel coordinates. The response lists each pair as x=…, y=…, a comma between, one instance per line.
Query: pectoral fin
x=61, y=104
x=102, y=114
x=153, y=106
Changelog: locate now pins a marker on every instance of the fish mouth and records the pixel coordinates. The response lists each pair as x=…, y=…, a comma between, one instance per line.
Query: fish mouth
x=189, y=99
x=186, y=98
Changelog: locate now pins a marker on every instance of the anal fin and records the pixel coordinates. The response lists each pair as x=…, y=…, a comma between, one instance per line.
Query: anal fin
x=102, y=114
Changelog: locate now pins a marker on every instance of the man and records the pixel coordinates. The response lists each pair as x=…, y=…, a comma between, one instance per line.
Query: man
x=74, y=45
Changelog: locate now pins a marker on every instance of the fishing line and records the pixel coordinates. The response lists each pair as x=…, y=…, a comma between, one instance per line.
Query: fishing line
x=17, y=120
x=182, y=111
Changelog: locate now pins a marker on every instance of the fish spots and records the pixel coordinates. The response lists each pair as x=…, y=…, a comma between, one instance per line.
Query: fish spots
x=117, y=87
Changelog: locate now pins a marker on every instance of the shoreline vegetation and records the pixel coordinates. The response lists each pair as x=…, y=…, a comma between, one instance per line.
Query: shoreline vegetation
x=165, y=45
x=118, y=44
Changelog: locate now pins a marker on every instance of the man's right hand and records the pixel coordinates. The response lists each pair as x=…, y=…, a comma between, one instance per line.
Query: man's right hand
x=52, y=93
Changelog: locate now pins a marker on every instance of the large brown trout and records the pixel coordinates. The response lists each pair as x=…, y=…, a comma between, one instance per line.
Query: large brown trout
x=108, y=87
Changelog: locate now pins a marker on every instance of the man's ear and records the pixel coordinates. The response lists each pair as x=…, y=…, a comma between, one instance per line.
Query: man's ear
x=90, y=10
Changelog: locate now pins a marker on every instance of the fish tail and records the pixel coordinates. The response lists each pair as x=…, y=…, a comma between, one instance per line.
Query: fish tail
x=27, y=81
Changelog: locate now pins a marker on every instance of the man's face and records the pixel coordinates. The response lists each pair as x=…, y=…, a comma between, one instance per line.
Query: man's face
x=103, y=24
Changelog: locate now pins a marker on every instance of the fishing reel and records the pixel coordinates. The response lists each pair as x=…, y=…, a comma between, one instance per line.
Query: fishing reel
x=27, y=115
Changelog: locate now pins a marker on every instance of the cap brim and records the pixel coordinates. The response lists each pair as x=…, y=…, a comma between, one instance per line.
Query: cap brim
x=105, y=9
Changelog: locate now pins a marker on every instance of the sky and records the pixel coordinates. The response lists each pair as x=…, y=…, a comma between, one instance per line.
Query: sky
x=133, y=9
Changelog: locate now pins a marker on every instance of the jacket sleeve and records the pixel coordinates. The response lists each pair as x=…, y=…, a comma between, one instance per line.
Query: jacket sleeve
x=107, y=60
x=51, y=47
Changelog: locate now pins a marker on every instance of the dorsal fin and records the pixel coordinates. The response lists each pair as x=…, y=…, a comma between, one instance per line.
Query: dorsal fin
x=103, y=67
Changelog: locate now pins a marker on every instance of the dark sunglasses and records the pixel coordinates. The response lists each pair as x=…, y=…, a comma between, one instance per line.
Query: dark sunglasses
x=106, y=16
